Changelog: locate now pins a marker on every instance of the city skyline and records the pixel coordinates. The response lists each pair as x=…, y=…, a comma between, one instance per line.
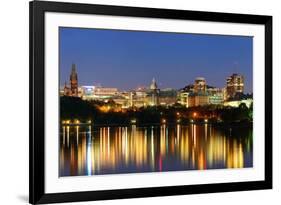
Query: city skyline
x=130, y=59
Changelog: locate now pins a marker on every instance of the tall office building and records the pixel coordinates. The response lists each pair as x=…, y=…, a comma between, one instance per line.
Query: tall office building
x=234, y=85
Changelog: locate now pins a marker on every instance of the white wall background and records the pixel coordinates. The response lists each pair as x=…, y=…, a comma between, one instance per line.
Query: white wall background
x=14, y=82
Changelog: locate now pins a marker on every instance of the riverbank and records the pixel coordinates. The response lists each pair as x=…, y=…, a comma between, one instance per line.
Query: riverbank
x=215, y=124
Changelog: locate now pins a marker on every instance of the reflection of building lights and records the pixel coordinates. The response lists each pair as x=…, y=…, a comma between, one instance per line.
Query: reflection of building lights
x=89, y=156
x=98, y=152
x=65, y=121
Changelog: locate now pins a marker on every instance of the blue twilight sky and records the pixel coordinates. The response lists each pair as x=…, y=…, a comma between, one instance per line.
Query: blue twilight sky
x=128, y=59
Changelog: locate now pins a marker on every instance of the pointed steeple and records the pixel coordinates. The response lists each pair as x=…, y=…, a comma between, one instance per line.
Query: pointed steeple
x=73, y=81
x=73, y=68
x=153, y=85
x=73, y=75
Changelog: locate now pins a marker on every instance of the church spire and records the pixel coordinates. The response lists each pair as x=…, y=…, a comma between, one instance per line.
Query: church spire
x=73, y=68
x=74, y=80
x=153, y=85
x=73, y=75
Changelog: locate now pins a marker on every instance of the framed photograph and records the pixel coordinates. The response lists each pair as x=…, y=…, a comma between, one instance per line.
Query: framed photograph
x=140, y=102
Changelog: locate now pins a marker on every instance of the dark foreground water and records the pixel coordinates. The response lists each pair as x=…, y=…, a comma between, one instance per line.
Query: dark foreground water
x=89, y=150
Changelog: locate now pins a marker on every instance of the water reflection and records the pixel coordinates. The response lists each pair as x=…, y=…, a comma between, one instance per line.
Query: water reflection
x=86, y=150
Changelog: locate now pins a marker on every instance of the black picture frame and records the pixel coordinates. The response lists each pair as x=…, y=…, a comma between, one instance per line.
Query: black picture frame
x=37, y=10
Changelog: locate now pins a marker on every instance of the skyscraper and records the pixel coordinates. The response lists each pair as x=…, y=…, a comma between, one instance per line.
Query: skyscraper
x=234, y=85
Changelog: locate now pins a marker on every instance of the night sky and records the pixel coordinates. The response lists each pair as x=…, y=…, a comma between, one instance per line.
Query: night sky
x=128, y=59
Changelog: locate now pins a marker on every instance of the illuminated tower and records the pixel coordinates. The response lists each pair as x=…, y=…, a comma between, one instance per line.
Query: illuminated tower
x=154, y=93
x=73, y=81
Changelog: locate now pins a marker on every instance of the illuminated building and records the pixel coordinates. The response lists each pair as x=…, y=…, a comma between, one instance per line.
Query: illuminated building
x=234, y=85
x=200, y=85
x=139, y=97
x=197, y=93
x=103, y=92
x=216, y=99
x=73, y=79
x=216, y=95
x=98, y=93
x=154, y=94
x=87, y=92
x=200, y=94
x=183, y=96
x=122, y=100
x=199, y=99
x=167, y=96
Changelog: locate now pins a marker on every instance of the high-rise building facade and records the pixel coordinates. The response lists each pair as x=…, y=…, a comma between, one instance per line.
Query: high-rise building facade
x=234, y=85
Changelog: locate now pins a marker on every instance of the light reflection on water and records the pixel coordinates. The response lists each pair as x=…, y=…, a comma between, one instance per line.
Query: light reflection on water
x=86, y=150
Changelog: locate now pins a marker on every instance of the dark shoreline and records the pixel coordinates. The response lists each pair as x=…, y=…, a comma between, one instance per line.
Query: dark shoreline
x=216, y=124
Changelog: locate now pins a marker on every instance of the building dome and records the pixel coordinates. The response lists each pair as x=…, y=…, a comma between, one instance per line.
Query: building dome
x=153, y=85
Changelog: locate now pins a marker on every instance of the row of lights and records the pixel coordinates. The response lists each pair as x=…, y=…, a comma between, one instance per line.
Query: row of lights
x=75, y=122
x=134, y=121
x=192, y=121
